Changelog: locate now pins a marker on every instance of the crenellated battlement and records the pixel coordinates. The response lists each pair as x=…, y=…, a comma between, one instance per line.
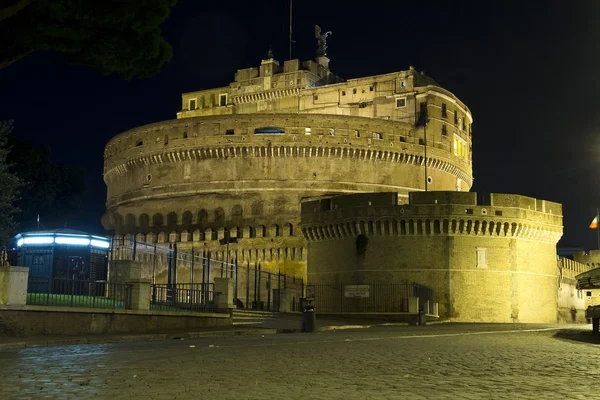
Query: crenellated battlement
x=432, y=213
x=590, y=258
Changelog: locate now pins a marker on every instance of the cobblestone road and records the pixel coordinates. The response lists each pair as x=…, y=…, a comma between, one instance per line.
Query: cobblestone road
x=446, y=361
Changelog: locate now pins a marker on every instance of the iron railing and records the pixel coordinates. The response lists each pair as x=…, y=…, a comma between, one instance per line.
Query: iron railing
x=183, y=297
x=60, y=292
x=376, y=297
x=254, y=287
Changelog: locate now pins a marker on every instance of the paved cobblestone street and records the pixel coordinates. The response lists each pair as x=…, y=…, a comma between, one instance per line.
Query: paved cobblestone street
x=446, y=361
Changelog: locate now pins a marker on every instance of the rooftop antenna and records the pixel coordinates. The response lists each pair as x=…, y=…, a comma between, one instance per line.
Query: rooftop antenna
x=291, y=41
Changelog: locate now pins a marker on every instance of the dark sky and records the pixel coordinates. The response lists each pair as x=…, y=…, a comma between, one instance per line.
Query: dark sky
x=528, y=70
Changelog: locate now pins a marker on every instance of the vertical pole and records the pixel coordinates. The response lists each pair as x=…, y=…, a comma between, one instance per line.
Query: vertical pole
x=208, y=269
x=290, y=30
x=255, y=281
x=259, y=276
x=235, y=282
x=169, y=266
x=269, y=294
x=279, y=289
x=203, y=282
x=134, y=247
x=248, y=284
x=154, y=266
x=192, y=271
x=175, y=263
x=425, y=147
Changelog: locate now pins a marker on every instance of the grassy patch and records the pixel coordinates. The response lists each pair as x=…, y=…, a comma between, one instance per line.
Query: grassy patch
x=67, y=300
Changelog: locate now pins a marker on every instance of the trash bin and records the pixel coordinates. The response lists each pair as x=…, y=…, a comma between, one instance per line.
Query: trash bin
x=309, y=319
x=421, y=317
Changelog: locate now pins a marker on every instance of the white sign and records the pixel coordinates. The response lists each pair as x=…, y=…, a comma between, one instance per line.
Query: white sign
x=357, y=291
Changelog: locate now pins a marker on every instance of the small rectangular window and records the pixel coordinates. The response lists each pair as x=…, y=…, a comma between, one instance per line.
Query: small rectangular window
x=353, y=91
x=444, y=111
x=230, y=132
x=588, y=294
x=343, y=92
x=401, y=102
x=222, y=100
x=469, y=211
x=444, y=130
x=377, y=135
x=307, y=131
x=481, y=257
x=316, y=97
x=402, y=139
x=192, y=105
x=370, y=88
x=498, y=213
x=403, y=83
x=455, y=118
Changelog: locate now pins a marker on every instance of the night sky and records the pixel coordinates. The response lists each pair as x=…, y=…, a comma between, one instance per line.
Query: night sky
x=528, y=70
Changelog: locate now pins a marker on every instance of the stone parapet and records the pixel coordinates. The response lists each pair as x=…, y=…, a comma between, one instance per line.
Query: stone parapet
x=13, y=285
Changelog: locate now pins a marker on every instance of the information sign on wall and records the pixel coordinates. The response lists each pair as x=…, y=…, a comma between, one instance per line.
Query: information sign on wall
x=357, y=291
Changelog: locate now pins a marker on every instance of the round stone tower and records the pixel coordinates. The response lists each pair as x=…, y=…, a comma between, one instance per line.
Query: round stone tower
x=240, y=159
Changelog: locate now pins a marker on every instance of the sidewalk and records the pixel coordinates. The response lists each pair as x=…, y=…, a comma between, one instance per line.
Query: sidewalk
x=276, y=323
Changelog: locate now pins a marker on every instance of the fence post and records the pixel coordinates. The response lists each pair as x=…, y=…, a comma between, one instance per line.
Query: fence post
x=208, y=270
x=259, y=276
x=175, y=263
x=134, y=247
x=192, y=271
x=235, y=283
x=255, y=280
x=248, y=284
x=269, y=292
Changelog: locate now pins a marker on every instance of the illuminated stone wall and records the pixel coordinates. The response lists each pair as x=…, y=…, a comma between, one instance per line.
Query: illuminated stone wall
x=571, y=302
x=191, y=179
x=489, y=259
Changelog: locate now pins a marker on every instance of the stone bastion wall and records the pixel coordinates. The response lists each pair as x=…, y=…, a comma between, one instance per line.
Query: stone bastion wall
x=189, y=179
x=487, y=257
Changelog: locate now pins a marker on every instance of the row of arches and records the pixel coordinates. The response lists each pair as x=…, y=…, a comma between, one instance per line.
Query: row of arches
x=209, y=234
x=430, y=227
x=202, y=219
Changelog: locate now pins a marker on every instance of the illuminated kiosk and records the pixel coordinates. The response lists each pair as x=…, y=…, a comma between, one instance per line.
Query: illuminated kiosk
x=62, y=254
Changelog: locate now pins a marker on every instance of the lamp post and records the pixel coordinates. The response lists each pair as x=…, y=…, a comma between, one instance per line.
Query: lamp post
x=226, y=240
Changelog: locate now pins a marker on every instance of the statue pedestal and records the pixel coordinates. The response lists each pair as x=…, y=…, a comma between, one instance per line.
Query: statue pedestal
x=323, y=61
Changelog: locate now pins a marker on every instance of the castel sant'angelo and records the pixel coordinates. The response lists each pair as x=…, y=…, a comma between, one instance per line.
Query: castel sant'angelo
x=298, y=163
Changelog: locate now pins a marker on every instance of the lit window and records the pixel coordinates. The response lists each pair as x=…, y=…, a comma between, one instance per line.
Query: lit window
x=460, y=147
x=403, y=83
x=378, y=136
x=222, y=100
x=307, y=131
x=401, y=102
x=192, y=105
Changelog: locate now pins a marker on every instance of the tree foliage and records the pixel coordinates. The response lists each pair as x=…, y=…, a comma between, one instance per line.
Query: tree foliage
x=51, y=190
x=114, y=36
x=9, y=187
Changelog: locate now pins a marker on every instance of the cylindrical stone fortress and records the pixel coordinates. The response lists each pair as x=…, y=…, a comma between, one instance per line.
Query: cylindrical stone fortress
x=242, y=158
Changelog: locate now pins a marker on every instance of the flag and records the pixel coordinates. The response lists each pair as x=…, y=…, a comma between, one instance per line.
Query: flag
x=594, y=224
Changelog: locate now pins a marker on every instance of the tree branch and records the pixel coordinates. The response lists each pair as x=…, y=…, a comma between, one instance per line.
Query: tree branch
x=11, y=10
x=14, y=57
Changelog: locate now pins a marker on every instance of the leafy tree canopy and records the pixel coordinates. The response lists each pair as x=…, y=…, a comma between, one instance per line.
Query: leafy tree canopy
x=9, y=186
x=114, y=36
x=51, y=190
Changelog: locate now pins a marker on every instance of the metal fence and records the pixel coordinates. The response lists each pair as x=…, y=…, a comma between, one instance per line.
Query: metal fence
x=377, y=297
x=183, y=297
x=47, y=291
x=254, y=287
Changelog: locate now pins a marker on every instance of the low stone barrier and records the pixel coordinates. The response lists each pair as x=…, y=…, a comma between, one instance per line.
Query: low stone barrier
x=25, y=321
